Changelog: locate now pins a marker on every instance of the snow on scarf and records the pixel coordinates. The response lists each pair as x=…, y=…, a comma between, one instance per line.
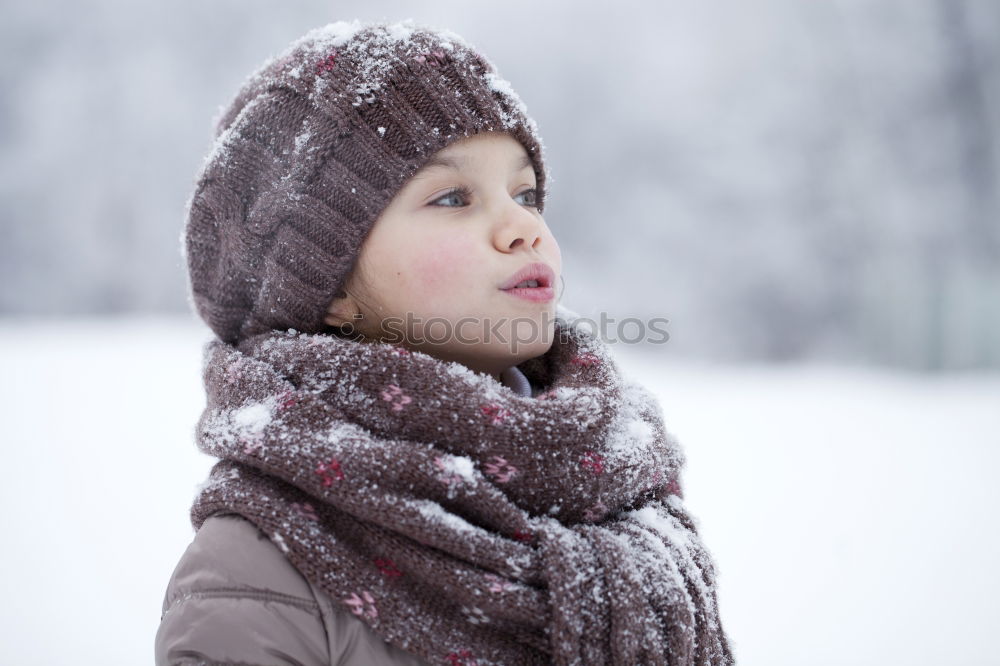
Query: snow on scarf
x=459, y=520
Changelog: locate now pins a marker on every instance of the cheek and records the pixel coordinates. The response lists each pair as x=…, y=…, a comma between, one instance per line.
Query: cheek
x=553, y=252
x=446, y=263
x=557, y=251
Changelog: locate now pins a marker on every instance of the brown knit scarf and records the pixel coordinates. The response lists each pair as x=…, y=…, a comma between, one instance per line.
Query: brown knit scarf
x=459, y=520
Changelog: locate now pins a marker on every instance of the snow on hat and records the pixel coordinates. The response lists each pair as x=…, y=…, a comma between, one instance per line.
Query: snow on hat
x=311, y=151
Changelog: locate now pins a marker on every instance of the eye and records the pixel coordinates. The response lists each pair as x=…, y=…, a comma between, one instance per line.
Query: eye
x=459, y=196
x=532, y=198
x=456, y=193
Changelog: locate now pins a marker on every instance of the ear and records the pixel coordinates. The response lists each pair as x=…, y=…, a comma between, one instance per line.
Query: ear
x=342, y=310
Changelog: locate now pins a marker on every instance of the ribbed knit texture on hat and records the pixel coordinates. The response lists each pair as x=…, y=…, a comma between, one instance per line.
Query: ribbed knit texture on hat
x=310, y=152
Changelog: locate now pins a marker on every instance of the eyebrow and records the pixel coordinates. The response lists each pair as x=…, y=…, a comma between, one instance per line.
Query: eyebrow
x=442, y=161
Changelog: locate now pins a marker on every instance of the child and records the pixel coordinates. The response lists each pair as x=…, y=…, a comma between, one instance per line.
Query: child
x=422, y=460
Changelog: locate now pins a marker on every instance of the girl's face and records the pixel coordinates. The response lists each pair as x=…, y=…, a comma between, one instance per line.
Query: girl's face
x=432, y=267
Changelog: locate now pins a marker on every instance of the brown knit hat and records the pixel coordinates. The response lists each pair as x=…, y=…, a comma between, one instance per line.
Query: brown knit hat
x=311, y=151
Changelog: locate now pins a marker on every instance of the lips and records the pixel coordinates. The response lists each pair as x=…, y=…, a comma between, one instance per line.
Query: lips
x=541, y=274
x=536, y=271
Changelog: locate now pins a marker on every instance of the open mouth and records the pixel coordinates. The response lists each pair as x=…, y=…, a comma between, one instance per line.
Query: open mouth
x=529, y=283
x=537, y=294
x=533, y=283
x=536, y=275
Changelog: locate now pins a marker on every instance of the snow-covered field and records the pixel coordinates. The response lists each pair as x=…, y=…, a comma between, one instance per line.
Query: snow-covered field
x=852, y=513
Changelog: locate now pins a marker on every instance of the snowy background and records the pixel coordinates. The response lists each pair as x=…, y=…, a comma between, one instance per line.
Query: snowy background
x=781, y=179
x=809, y=191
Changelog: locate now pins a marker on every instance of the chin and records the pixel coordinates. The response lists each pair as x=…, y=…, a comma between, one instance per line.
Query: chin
x=521, y=351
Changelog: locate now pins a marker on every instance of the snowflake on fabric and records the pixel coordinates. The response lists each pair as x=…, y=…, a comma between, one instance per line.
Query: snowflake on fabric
x=593, y=461
x=392, y=393
x=498, y=584
x=656, y=478
x=327, y=63
x=280, y=542
x=461, y=658
x=434, y=58
x=318, y=341
x=306, y=509
x=548, y=395
x=586, y=359
x=252, y=443
x=475, y=615
x=654, y=482
x=495, y=412
x=234, y=371
x=446, y=473
x=398, y=350
x=363, y=605
x=330, y=472
x=501, y=470
x=387, y=567
x=516, y=568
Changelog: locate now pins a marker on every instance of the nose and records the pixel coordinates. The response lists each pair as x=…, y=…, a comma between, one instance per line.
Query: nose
x=517, y=227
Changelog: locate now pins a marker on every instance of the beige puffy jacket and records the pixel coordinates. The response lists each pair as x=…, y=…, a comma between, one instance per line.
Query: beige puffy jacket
x=235, y=599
